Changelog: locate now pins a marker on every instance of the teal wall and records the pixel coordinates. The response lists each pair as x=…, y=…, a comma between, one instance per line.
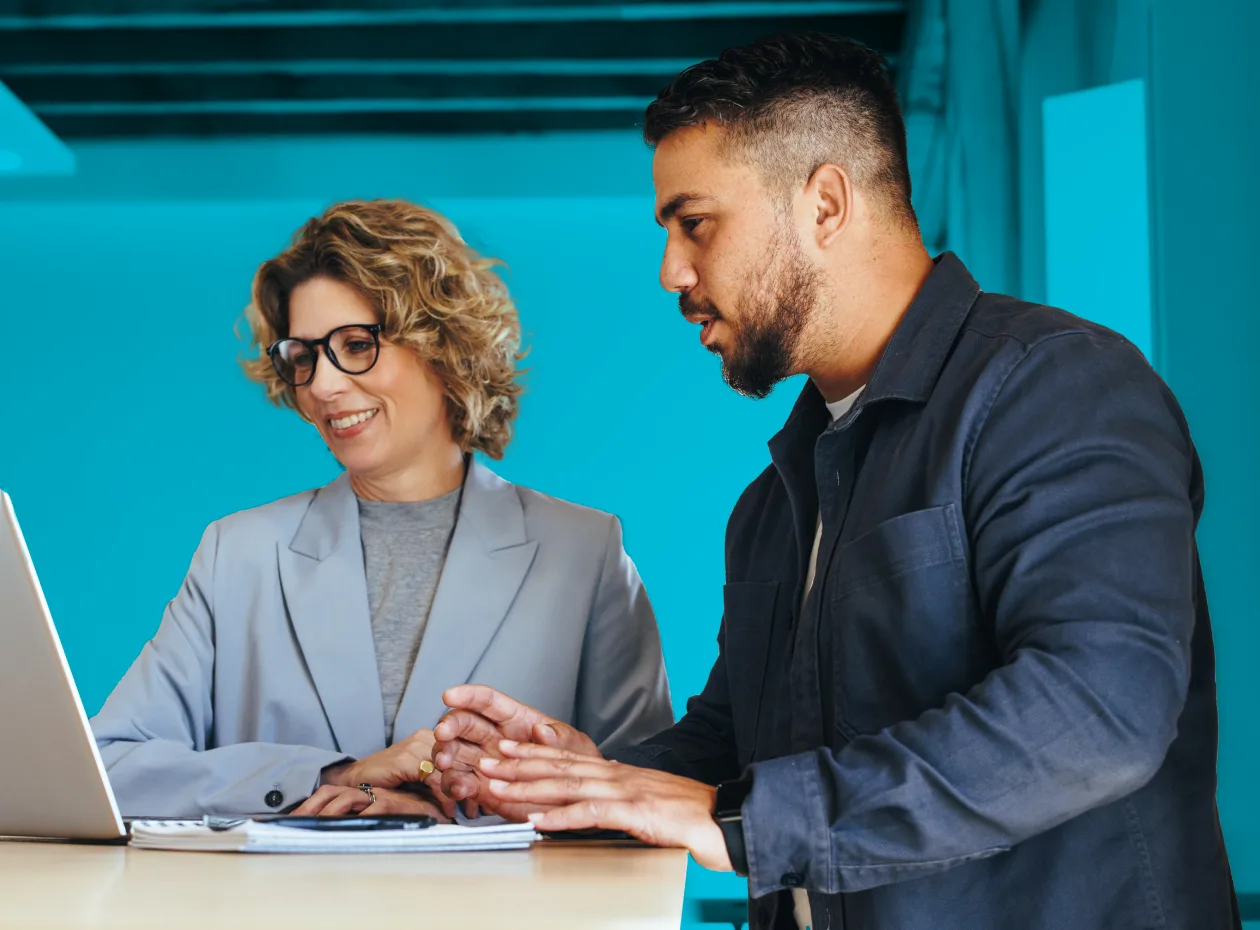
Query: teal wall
x=122, y=287
x=1200, y=75
x=1206, y=197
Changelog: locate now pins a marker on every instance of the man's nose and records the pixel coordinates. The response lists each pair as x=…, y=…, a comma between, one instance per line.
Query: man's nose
x=677, y=272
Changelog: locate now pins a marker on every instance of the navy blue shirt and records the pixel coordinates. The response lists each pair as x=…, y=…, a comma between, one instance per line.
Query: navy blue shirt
x=997, y=707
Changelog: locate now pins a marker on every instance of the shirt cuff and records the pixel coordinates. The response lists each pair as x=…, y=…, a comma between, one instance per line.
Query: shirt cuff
x=786, y=830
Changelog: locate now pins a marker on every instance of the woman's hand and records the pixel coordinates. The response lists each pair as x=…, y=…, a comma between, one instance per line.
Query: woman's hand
x=407, y=765
x=408, y=760
x=338, y=801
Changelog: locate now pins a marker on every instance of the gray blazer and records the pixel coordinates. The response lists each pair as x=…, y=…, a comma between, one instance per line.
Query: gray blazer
x=263, y=670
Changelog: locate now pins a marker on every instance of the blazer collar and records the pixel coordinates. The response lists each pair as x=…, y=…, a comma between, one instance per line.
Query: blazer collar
x=325, y=587
x=325, y=591
x=488, y=560
x=489, y=509
x=331, y=520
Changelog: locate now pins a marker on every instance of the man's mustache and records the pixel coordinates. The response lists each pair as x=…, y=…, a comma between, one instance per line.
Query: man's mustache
x=690, y=305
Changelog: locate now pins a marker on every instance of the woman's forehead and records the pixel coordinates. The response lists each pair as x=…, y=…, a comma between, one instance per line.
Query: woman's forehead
x=322, y=304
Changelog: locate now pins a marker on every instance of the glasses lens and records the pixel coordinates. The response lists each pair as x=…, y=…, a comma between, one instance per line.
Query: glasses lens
x=355, y=348
x=293, y=361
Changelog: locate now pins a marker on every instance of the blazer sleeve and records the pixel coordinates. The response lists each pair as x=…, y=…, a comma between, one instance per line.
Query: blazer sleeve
x=623, y=694
x=155, y=731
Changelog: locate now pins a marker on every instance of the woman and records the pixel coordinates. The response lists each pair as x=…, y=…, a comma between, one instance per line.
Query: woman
x=313, y=637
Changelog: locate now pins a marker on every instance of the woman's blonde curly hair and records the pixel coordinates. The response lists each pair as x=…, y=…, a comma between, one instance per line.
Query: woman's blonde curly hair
x=431, y=292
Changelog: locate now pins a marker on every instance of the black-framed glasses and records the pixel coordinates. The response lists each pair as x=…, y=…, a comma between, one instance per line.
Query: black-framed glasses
x=353, y=348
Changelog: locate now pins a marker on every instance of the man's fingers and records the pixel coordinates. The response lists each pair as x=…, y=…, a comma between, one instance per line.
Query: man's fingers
x=433, y=782
x=536, y=769
x=464, y=725
x=514, y=717
x=511, y=749
x=564, y=736
x=459, y=754
x=564, y=790
x=518, y=813
x=460, y=784
x=582, y=816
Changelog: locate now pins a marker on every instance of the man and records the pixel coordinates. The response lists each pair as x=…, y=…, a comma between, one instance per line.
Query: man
x=965, y=670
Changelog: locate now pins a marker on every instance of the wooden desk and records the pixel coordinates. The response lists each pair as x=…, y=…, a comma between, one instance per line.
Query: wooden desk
x=55, y=885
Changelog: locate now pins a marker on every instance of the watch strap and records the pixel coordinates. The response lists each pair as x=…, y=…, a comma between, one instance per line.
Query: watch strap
x=728, y=813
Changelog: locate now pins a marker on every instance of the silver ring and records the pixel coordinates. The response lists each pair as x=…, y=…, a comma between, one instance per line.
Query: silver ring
x=367, y=789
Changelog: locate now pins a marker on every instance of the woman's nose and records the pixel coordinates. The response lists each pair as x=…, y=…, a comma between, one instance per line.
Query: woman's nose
x=328, y=379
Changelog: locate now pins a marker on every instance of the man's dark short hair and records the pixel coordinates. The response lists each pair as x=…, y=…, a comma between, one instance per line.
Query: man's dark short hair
x=791, y=103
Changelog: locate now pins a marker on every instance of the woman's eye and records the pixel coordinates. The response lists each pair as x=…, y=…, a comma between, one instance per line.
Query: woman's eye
x=358, y=347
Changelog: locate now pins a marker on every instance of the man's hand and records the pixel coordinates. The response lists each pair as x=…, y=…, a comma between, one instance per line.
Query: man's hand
x=406, y=765
x=337, y=801
x=479, y=719
x=582, y=792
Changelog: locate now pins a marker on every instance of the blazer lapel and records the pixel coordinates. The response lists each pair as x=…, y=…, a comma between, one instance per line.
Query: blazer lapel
x=325, y=588
x=488, y=560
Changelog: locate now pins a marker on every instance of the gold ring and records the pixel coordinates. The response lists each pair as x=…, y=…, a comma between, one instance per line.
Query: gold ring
x=367, y=789
x=427, y=767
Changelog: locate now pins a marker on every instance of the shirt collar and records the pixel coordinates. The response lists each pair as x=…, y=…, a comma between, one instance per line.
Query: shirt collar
x=911, y=363
x=916, y=353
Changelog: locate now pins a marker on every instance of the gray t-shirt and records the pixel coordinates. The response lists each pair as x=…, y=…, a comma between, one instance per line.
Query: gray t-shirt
x=404, y=547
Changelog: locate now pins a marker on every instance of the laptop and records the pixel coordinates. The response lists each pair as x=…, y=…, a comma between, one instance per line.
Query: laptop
x=52, y=781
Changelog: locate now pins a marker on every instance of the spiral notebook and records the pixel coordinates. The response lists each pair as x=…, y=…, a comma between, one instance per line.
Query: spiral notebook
x=256, y=836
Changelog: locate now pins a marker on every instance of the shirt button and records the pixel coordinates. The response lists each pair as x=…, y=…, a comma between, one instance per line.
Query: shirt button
x=274, y=798
x=792, y=880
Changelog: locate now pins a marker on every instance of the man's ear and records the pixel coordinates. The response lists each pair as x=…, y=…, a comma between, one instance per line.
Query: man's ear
x=829, y=196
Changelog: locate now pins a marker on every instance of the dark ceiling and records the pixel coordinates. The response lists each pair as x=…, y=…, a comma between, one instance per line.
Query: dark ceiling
x=114, y=68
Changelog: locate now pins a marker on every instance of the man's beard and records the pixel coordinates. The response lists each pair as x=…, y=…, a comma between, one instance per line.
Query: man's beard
x=779, y=300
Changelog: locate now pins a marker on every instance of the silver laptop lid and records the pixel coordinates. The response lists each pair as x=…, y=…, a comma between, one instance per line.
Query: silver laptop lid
x=52, y=782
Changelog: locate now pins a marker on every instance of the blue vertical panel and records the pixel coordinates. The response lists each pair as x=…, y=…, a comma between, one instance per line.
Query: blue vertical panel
x=1098, y=262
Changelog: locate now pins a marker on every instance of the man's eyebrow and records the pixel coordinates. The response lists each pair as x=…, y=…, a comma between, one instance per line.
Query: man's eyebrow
x=675, y=204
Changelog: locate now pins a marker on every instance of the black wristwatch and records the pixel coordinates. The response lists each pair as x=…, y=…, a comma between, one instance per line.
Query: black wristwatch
x=728, y=811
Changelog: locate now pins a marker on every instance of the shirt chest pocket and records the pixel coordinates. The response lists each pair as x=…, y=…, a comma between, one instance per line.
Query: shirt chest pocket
x=901, y=618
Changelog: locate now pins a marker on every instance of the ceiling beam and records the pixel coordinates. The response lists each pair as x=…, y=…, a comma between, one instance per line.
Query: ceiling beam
x=557, y=67
x=463, y=16
x=494, y=41
x=338, y=106
x=238, y=125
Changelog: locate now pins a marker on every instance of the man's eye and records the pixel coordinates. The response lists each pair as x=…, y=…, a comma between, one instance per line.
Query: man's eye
x=690, y=223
